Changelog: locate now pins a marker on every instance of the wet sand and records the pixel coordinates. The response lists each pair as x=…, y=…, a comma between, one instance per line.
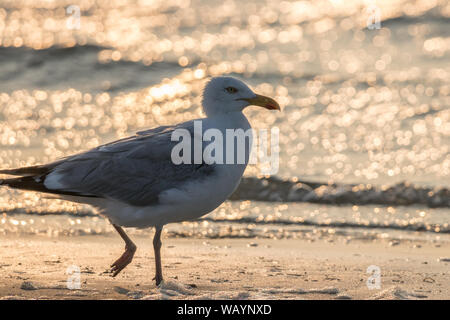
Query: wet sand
x=34, y=267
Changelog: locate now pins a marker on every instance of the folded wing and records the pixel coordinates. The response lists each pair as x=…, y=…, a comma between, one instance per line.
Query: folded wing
x=133, y=170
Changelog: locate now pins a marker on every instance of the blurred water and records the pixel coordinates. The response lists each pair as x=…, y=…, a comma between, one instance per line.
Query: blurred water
x=360, y=106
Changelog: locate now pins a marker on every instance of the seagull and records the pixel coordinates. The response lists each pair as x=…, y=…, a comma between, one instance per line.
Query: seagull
x=135, y=182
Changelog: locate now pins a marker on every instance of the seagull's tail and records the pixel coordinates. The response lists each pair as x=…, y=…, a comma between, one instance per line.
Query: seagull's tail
x=24, y=183
x=32, y=179
x=29, y=178
x=24, y=171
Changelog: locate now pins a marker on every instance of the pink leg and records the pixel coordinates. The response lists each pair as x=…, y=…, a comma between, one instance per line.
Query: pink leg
x=126, y=258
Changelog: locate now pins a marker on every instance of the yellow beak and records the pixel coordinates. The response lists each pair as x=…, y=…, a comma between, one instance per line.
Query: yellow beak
x=264, y=102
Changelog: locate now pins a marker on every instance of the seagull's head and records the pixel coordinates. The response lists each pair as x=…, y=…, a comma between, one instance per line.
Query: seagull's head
x=227, y=94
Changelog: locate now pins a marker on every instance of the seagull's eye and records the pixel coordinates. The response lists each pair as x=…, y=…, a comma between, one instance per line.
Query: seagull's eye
x=231, y=89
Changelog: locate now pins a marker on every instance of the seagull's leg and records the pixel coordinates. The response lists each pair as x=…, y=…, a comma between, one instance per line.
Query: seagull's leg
x=157, y=247
x=126, y=258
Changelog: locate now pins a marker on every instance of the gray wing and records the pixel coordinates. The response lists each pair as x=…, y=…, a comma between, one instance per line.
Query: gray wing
x=134, y=170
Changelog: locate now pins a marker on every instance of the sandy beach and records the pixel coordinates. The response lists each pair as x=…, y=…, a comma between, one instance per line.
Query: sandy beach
x=34, y=267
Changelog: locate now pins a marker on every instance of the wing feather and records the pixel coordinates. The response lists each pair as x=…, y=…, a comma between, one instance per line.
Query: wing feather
x=134, y=170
